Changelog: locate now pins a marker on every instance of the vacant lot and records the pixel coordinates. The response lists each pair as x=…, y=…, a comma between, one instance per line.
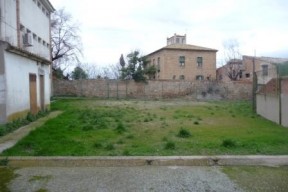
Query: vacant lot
x=121, y=127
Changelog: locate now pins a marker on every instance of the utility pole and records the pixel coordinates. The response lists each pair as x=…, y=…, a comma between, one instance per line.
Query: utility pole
x=254, y=85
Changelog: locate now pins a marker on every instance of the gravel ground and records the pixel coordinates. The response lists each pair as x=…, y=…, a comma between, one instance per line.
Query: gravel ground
x=145, y=178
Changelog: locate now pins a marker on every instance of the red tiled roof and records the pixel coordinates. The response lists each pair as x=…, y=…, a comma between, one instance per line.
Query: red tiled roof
x=184, y=47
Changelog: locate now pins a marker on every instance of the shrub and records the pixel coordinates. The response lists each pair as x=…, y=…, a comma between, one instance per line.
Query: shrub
x=130, y=136
x=126, y=152
x=164, y=139
x=183, y=133
x=87, y=127
x=170, y=145
x=30, y=117
x=228, y=143
x=120, y=141
x=4, y=162
x=110, y=147
x=120, y=128
x=97, y=145
x=196, y=123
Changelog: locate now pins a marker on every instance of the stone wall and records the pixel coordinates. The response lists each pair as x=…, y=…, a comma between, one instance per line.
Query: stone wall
x=198, y=90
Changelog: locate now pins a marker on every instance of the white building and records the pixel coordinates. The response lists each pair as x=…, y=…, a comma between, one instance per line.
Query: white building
x=25, y=57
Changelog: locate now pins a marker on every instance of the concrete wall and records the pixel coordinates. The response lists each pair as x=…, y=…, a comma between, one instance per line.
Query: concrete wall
x=8, y=23
x=268, y=107
x=200, y=90
x=268, y=104
x=34, y=18
x=17, y=76
x=284, y=102
x=38, y=23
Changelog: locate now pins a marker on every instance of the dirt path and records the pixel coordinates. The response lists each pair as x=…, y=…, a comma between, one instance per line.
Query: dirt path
x=11, y=139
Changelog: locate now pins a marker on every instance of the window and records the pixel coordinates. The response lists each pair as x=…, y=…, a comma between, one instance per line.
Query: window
x=220, y=77
x=199, y=77
x=181, y=77
x=199, y=62
x=158, y=61
x=240, y=74
x=264, y=70
x=247, y=75
x=177, y=40
x=174, y=77
x=22, y=28
x=182, y=61
x=153, y=62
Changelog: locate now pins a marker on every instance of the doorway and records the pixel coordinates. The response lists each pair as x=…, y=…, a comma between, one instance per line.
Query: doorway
x=42, y=95
x=33, y=93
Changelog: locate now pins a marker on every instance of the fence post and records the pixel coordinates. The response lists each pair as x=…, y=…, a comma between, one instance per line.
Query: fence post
x=108, y=89
x=117, y=89
x=144, y=91
x=179, y=89
x=126, y=87
x=162, y=89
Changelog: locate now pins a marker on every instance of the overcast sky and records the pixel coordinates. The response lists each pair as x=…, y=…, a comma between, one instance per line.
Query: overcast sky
x=112, y=27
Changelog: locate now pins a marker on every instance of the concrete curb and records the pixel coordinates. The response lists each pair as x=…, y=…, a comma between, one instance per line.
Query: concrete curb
x=146, y=161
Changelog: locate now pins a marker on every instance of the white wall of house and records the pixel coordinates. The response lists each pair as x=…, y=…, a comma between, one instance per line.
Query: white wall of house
x=17, y=62
x=17, y=70
x=37, y=24
x=268, y=107
x=2, y=98
x=8, y=24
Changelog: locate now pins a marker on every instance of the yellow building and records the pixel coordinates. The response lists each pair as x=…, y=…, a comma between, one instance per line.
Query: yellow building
x=181, y=61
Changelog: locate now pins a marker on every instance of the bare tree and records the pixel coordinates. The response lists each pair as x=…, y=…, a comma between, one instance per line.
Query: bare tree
x=105, y=72
x=66, y=42
x=233, y=61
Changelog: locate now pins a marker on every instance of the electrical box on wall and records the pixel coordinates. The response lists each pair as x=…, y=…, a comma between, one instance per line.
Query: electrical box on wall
x=28, y=39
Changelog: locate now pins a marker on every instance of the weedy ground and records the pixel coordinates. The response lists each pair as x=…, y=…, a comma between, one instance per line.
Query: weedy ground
x=93, y=127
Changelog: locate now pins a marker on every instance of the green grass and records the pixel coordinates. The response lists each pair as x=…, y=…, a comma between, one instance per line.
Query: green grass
x=13, y=125
x=6, y=175
x=90, y=127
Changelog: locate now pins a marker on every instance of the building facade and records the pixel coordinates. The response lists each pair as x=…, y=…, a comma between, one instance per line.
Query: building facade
x=181, y=61
x=25, y=57
x=264, y=64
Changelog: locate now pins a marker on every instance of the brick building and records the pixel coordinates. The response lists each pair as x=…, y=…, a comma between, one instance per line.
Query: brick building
x=179, y=61
x=264, y=64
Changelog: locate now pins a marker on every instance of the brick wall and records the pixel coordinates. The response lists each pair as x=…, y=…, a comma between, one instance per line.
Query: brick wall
x=198, y=90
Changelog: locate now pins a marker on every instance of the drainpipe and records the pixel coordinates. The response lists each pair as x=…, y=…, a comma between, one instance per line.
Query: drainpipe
x=18, y=23
x=51, y=64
